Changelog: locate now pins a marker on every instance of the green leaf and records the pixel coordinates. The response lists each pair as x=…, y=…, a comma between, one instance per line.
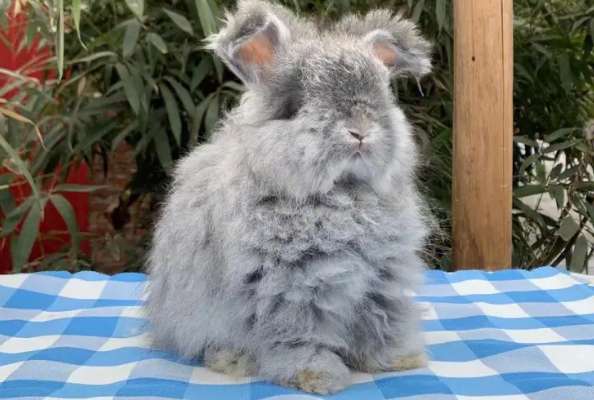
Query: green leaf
x=568, y=228
x=556, y=171
x=564, y=132
x=14, y=217
x=569, y=172
x=565, y=72
x=528, y=161
x=529, y=190
x=212, y=114
x=197, y=119
x=75, y=187
x=200, y=72
x=136, y=6
x=92, y=57
x=182, y=94
x=418, y=10
x=205, y=14
x=123, y=134
x=558, y=193
x=27, y=236
x=95, y=134
x=559, y=146
x=22, y=167
x=129, y=87
x=440, y=13
x=7, y=203
x=60, y=39
x=130, y=38
x=76, y=19
x=580, y=251
x=529, y=212
x=163, y=148
x=181, y=21
x=67, y=213
x=172, y=112
x=157, y=41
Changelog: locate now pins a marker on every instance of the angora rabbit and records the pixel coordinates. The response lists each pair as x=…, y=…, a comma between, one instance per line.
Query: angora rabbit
x=288, y=245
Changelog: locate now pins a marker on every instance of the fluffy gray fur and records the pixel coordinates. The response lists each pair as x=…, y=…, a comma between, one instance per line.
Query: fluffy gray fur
x=285, y=248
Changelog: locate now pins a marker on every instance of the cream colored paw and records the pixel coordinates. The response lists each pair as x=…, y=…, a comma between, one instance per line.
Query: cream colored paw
x=231, y=363
x=316, y=382
x=413, y=361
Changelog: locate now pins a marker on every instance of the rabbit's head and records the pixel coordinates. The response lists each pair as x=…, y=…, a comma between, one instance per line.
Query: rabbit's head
x=322, y=96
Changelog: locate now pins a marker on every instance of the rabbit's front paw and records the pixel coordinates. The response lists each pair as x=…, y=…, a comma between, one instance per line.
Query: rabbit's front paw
x=230, y=362
x=418, y=360
x=316, y=381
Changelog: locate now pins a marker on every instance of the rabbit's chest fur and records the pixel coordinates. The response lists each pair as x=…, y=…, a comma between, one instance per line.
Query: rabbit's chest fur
x=356, y=228
x=341, y=222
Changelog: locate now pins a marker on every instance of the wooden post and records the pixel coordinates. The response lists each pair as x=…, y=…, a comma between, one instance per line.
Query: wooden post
x=483, y=129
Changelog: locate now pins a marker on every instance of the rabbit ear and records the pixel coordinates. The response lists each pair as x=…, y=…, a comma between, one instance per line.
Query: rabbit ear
x=395, y=41
x=251, y=41
x=399, y=60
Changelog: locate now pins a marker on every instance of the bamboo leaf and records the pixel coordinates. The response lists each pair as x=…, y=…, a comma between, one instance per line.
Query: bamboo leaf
x=18, y=117
x=558, y=193
x=212, y=114
x=568, y=228
x=19, y=164
x=157, y=41
x=197, y=119
x=181, y=21
x=440, y=13
x=75, y=187
x=67, y=213
x=60, y=39
x=163, y=148
x=205, y=14
x=529, y=190
x=551, y=137
x=76, y=19
x=418, y=10
x=131, y=38
x=129, y=88
x=200, y=72
x=27, y=236
x=136, y=6
x=528, y=161
x=15, y=216
x=565, y=72
x=580, y=251
x=92, y=57
x=559, y=146
x=182, y=94
x=172, y=112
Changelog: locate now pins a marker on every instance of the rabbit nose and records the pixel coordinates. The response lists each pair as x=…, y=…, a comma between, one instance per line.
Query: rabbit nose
x=357, y=135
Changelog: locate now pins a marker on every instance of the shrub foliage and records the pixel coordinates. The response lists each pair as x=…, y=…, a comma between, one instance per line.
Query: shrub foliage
x=136, y=71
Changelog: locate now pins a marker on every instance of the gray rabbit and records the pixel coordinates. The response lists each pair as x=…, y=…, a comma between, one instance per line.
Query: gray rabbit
x=288, y=245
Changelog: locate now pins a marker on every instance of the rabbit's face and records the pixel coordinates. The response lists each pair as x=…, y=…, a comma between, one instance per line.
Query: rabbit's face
x=344, y=99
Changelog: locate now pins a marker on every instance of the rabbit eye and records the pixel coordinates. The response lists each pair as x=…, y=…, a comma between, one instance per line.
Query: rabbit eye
x=289, y=109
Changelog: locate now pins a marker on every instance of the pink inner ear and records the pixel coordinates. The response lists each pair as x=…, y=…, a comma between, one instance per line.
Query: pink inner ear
x=256, y=50
x=386, y=53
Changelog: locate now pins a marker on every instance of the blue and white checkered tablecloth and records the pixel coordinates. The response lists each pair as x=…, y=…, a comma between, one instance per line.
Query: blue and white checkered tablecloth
x=511, y=335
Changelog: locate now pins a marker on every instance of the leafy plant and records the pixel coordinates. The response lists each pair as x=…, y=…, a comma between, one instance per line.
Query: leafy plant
x=135, y=71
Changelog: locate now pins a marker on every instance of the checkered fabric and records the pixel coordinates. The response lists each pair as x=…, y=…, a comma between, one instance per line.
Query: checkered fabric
x=511, y=335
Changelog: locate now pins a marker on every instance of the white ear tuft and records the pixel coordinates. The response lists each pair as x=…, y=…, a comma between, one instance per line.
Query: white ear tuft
x=251, y=41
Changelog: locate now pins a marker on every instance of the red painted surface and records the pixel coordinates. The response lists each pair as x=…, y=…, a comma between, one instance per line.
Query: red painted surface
x=53, y=232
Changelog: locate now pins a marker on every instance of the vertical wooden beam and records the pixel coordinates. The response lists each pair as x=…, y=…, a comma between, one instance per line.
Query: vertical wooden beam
x=483, y=129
